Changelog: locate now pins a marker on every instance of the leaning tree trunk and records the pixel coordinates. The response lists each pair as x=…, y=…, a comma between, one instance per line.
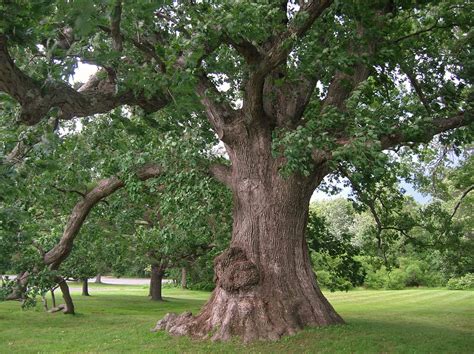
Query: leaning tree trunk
x=68, y=306
x=265, y=286
x=85, y=287
x=155, y=282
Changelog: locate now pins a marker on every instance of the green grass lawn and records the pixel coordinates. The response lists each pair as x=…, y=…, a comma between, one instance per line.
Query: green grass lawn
x=119, y=319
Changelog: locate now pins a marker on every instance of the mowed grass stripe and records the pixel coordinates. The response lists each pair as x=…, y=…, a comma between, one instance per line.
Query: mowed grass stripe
x=378, y=297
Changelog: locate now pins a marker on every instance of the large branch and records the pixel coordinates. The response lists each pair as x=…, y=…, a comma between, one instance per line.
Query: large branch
x=343, y=84
x=37, y=99
x=437, y=126
x=54, y=257
x=250, y=52
x=219, y=113
x=285, y=103
x=365, y=45
x=279, y=47
x=283, y=43
x=401, y=138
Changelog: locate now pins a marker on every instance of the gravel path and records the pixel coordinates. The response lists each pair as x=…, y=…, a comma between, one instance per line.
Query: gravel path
x=123, y=281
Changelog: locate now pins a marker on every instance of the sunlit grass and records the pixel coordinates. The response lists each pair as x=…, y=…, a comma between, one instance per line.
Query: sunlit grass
x=118, y=318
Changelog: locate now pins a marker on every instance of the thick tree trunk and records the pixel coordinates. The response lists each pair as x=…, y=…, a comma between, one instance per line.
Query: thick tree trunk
x=98, y=279
x=155, y=282
x=85, y=287
x=183, y=278
x=265, y=286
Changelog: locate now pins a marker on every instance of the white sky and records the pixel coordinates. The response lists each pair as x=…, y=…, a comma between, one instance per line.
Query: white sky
x=83, y=72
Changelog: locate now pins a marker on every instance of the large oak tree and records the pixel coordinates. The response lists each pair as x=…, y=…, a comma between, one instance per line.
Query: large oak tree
x=292, y=88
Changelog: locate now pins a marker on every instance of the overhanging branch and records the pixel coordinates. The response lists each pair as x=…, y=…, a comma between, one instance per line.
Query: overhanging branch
x=437, y=126
x=54, y=257
x=37, y=100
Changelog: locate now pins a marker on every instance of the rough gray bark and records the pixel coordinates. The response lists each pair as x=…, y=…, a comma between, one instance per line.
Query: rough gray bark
x=98, y=279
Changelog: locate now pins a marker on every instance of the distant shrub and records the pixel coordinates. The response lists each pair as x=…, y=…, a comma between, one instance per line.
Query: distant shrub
x=461, y=283
x=384, y=279
x=332, y=281
x=414, y=275
x=376, y=279
x=396, y=280
x=435, y=279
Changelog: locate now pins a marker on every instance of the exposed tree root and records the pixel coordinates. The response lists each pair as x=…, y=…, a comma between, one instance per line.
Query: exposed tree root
x=242, y=305
x=248, y=316
x=58, y=308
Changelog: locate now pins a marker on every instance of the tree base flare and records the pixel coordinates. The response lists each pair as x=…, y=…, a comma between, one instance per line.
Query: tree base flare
x=250, y=316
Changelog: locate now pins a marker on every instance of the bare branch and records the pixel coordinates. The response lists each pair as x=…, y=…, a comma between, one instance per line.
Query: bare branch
x=417, y=87
x=83, y=195
x=458, y=204
x=422, y=31
x=250, y=52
